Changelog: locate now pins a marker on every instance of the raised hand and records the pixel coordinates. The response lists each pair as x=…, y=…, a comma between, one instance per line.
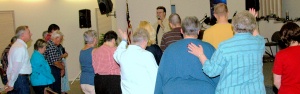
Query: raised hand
x=123, y=34
x=253, y=12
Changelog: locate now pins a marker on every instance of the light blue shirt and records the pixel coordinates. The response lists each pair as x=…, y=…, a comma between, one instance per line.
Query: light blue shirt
x=138, y=69
x=41, y=72
x=238, y=61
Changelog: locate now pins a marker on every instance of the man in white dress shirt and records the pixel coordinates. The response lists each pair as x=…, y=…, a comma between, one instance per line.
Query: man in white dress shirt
x=138, y=66
x=19, y=66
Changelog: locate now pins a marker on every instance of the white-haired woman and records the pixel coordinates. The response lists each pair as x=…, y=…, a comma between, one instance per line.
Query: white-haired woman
x=85, y=58
x=238, y=60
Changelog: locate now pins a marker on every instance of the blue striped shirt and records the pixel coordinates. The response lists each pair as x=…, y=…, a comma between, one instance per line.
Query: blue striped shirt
x=238, y=61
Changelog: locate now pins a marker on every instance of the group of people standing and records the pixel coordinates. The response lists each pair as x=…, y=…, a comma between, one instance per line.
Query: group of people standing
x=46, y=68
x=159, y=60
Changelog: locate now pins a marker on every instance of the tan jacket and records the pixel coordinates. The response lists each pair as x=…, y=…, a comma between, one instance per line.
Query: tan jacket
x=162, y=31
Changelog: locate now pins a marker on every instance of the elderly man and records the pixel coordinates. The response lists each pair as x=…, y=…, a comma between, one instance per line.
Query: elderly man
x=180, y=72
x=138, y=66
x=53, y=56
x=238, y=60
x=19, y=66
x=220, y=31
x=162, y=24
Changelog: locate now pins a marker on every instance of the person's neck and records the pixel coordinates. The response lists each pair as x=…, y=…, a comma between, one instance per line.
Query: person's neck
x=222, y=20
x=140, y=45
x=176, y=26
x=294, y=43
x=162, y=19
x=110, y=44
x=23, y=40
x=87, y=46
x=190, y=37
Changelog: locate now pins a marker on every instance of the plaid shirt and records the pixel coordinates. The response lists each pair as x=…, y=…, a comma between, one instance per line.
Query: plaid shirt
x=52, y=53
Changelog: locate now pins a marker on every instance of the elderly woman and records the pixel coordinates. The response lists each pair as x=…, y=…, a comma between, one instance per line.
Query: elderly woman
x=85, y=58
x=53, y=56
x=151, y=45
x=287, y=62
x=238, y=60
x=41, y=76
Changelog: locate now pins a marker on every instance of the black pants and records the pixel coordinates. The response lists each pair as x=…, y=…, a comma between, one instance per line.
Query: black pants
x=107, y=84
x=56, y=86
x=39, y=89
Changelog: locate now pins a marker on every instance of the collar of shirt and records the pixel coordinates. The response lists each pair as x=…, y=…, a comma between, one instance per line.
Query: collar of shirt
x=22, y=42
x=242, y=35
x=134, y=47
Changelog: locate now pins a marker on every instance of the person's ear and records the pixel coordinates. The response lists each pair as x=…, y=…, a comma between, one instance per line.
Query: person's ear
x=215, y=15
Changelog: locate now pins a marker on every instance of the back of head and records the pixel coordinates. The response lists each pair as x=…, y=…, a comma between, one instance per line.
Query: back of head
x=174, y=19
x=56, y=34
x=190, y=26
x=244, y=22
x=45, y=34
x=148, y=27
x=40, y=43
x=140, y=35
x=89, y=36
x=290, y=32
x=221, y=9
x=108, y=36
x=53, y=27
x=20, y=30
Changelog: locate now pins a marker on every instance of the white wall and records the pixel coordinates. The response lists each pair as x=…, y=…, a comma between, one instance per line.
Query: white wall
x=146, y=10
x=39, y=14
x=292, y=6
x=199, y=8
x=196, y=8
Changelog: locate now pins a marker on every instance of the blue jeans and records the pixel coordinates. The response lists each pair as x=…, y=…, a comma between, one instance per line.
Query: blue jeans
x=21, y=86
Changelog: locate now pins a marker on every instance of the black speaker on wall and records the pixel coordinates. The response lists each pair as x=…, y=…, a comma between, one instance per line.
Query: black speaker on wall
x=105, y=6
x=84, y=18
x=252, y=4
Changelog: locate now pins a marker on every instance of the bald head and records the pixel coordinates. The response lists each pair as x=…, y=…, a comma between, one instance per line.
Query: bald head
x=221, y=9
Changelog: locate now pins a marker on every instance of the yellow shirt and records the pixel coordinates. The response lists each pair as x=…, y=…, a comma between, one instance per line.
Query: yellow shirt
x=217, y=34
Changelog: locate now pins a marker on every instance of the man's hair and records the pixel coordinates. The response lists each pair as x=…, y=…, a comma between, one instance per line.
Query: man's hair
x=40, y=43
x=56, y=34
x=161, y=7
x=290, y=32
x=221, y=9
x=152, y=33
x=20, y=30
x=108, y=36
x=174, y=19
x=89, y=36
x=140, y=35
x=53, y=27
x=244, y=22
x=190, y=25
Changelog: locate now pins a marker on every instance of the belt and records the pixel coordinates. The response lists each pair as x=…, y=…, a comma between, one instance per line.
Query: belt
x=24, y=74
